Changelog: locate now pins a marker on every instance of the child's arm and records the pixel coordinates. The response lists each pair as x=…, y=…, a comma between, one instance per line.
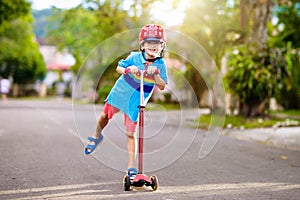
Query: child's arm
x=120, y=70
x=130, y=69
x=159, y=82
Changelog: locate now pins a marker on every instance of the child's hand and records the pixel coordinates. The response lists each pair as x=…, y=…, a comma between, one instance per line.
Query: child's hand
x=152, y=70
x=131, y=69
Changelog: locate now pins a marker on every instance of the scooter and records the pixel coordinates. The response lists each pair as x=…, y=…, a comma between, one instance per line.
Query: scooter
x=141, y=179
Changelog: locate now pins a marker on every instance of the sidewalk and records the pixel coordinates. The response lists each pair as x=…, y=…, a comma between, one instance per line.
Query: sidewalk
x=286, y=137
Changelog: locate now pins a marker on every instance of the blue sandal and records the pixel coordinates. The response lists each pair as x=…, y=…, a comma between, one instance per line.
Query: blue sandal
x=90, y=148
x=132, y=172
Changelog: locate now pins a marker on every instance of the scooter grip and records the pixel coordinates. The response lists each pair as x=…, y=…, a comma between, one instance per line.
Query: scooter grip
x=127, y=71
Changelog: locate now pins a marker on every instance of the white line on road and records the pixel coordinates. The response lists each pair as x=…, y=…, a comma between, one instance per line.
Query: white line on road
x=83, y=194
x=80, y=191
x=54, y=188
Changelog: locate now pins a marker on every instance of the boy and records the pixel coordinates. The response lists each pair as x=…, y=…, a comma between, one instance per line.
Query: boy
x=125, y=95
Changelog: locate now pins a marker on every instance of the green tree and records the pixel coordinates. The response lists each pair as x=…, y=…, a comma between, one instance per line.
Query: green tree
x=286, y=35
x=81, y=29
x=250, y=66
x=19, y=54
x=258, y=70
x=11, y=10
x=215, y=27
x=256, y=76
x=74, y=30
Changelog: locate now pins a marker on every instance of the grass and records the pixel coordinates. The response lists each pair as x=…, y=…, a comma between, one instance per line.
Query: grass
x=163, y=106
x=287, y=113
x=273, y=120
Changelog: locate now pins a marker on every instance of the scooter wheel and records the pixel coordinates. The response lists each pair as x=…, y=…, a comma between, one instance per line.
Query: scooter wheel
x=126, y=182
x=154, y=184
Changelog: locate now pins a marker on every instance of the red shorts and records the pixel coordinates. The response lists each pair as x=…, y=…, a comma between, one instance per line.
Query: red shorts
x=110, y=111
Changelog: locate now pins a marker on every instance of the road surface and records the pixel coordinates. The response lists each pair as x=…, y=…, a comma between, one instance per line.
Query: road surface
x=42, y=158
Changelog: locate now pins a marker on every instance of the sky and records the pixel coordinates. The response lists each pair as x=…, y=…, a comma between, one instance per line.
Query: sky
x=42, y=4
x=161, y=10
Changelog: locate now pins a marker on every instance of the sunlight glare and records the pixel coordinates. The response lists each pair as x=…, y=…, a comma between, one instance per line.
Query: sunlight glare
x=164, y=11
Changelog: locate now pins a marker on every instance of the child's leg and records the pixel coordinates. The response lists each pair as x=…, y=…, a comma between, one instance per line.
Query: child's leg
x=108, y=112
x=4, y=97
x=130, y=129
x=131, y=149
x=102, y=122
x=96, y=140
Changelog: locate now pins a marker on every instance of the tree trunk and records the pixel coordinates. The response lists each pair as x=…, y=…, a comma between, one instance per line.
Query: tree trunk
x=15, y=90
x=260, y=14
x=242, y=14
x=253, y=109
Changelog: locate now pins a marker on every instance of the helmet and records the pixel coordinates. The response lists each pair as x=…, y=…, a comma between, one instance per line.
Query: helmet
x=152, y=32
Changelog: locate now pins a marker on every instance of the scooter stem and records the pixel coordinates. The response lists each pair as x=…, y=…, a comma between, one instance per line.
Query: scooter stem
x=141, y=124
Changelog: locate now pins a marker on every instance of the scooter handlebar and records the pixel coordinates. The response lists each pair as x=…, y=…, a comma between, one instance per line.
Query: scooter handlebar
x=140, y=71
x=128, y=71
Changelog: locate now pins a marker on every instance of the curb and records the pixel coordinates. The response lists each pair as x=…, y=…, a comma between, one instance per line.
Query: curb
x=285, y=137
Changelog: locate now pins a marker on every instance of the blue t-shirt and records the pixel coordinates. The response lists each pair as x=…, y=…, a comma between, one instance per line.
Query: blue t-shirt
x=125, y=94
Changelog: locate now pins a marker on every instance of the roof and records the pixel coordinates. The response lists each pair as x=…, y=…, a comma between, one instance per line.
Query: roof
x=56, y=66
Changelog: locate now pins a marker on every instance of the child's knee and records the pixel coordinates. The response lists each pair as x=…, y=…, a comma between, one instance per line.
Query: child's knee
x=130, y=135
x=104, y=115
x=103, y=118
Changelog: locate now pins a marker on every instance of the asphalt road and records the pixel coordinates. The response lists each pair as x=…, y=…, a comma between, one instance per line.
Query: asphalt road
x=42, y=158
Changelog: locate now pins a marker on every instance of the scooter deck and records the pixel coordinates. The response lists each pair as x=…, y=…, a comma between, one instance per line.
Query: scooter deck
x=141, y=180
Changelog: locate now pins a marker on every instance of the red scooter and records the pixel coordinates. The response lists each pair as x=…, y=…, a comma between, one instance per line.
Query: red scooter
x=141, y=179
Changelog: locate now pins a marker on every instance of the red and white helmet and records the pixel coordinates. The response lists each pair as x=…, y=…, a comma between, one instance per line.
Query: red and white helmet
x=152, y=32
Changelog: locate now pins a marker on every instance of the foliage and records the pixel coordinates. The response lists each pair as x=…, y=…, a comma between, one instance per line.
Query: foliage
x=288, y=22
x=287, y=113
x=82, y=28
x=11, y=10
x=74, y=30
x=257, y=76
x=19, y=54
x=263, y=66
x=216, y=27
x=213, y=26
x=103, y=92
x=195, y=80
x=286, y=35
x=163, y=106
x=232, y=121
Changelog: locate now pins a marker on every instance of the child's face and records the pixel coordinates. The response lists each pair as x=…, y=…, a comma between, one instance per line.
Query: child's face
x=152, y=48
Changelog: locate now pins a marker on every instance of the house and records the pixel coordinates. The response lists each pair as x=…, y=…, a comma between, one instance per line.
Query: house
x=58, y=65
